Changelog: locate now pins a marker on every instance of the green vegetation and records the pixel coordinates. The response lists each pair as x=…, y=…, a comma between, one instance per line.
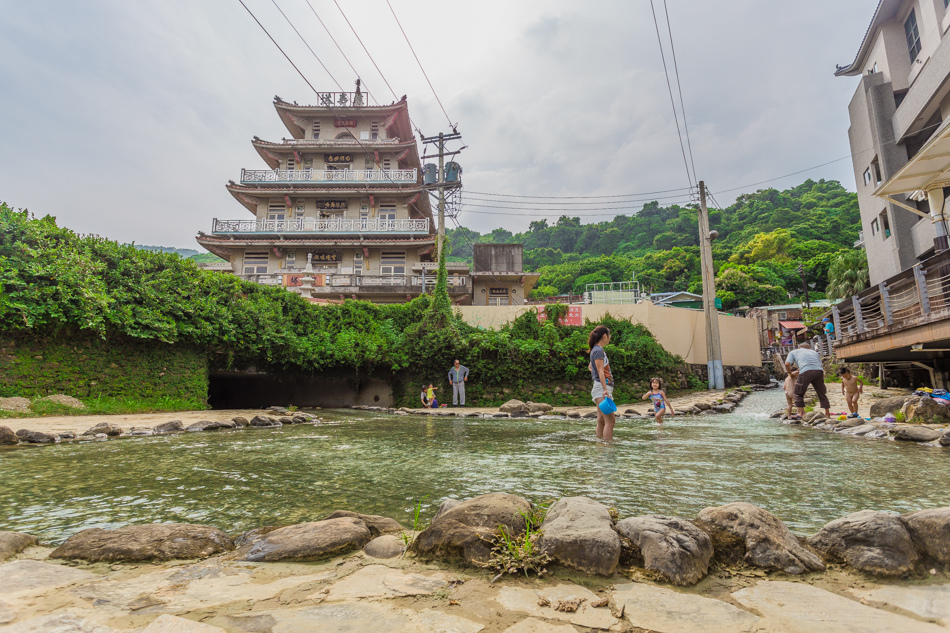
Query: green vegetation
x=848, y=274
x=763, y=238
x=111, y=405
x=514, y=553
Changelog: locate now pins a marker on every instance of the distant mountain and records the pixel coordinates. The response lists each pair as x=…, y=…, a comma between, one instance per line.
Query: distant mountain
x=181, y=252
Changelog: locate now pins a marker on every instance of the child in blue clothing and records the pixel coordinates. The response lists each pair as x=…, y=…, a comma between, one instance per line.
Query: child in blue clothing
x=658, y=397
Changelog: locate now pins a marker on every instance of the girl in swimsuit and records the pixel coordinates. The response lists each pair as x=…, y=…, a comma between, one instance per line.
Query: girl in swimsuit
x=658, y=397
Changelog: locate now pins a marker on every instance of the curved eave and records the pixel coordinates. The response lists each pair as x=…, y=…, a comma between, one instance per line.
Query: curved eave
x=886, y=10
x=264, y=147
x=221, y=250
x=284, y=110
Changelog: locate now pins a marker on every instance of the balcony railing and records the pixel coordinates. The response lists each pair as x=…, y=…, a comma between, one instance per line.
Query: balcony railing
x=336, y=284
x=397, y=176
x=310, y=225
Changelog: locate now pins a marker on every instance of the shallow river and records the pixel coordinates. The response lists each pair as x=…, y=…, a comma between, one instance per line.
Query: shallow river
x=382, y=464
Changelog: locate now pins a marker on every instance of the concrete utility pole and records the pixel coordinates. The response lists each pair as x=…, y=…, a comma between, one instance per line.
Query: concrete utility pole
x=713, y=345
x=441, y=184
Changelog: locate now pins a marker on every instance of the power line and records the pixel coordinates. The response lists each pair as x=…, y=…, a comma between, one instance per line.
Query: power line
x=365, y=49
x=279, y=48
x=598, y=203
x=420, y=64
x=333, y=39
x=306, y=44
x=676, y=71
x=622, y=195
x=794, y=173
x=548, y=213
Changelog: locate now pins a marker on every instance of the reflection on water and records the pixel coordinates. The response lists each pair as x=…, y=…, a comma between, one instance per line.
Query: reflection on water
x=382, y=464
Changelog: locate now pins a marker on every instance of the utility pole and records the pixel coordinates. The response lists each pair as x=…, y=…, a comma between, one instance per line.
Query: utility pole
x=713, y=345
x=441, y=183
x=801, y=273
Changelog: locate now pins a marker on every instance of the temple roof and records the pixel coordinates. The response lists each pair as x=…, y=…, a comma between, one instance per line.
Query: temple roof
x=222, y=246
x=247, y=195
x=269, y=149
x=399, y=111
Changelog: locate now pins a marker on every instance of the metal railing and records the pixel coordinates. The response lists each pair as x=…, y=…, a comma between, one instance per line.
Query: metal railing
x=398, y=176
x=311, y=225
x=331, y=282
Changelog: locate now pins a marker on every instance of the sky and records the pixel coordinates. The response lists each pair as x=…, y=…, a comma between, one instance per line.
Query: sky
x=126, y=119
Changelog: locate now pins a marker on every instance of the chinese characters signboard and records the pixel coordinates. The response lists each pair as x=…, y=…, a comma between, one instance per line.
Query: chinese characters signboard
x=293, y=281
x=331, y=204
x=344, y=123
x=327, y=257
x=573, y=316
x=498, y=292
x=338, y=158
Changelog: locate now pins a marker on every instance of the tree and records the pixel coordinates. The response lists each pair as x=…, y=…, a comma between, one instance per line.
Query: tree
x=848, y=274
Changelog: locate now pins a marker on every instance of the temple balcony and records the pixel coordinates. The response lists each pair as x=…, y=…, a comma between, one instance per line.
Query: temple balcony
x=323, y=226
x=331, y=284
x=286, y=176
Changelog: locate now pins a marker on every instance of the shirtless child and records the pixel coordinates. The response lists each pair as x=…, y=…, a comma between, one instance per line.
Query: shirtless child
x=851, y=388
x=789, y=387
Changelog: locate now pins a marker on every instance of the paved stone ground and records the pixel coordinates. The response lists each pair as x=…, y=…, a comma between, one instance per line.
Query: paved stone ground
x=357, y=593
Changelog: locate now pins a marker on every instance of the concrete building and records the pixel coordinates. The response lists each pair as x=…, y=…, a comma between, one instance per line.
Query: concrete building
x=898, y=111
x=498, y=276
x=341, y=212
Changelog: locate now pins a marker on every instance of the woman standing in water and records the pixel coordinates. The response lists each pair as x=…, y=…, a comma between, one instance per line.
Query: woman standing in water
x=603, y=380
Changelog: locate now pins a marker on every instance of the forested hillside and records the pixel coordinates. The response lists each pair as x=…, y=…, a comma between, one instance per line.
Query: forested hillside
x=763, y=237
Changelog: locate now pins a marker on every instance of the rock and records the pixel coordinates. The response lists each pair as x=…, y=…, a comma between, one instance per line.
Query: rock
x=8, y=614
x=7, y=436
x=17, y=405
x=377, y=525
x=264, y=421
x=299, y=419
x=872, y=542
x=526, y=600
x=64, y=400
x=944, y=439
x=60, y=623
x=809, y=416
x=632, y=412
x=203, y=425
x=169, y=427
x=850, y=423
x=538, y=407
x=535, y=625
x=307, y=541
x=573, y=414
x=240, y=422
x=590, y=415
x=725, y=407
x=930, y=602
x=167, y=623
x=105, y=427
x=386, y=546
x=674, y=548
x=27, y=575
x=152, y=541
x=578, y=532
x=930, y=532
x=285, y=420
x=514, y=406
x=12, y=543
x=466, y=531
x=925, y=410
x=703, y=406
x=140, y=430
x=379, y=581
x=660, y=609
x=501, y=415
x=36, y=437
x=882, y=406
x=863, y=429
x=917, y=434
x=445, y=506
x=67, y=435
x=742, y=531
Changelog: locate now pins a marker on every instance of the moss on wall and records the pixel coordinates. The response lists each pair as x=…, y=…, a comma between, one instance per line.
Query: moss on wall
x=85, y=368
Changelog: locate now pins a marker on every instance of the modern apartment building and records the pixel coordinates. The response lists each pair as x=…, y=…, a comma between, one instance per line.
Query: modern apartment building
x=900, y=143
x=341, y=211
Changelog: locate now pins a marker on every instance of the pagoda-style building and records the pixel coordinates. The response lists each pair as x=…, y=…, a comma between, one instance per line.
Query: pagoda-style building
x=341, y=212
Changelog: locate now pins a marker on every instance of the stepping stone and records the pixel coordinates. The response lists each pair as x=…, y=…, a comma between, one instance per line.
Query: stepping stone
x=26, y=575
x=59, y=623
x=534, y=625
x=801, y=608
x=379, y=581
x=347, y=617
x=526, y=601
x=927, y=602
x=577, y=532
x=437, y=622
x=668, y=611
x=173, y=624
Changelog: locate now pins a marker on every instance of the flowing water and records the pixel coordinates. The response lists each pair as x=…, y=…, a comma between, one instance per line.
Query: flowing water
x=384, y=464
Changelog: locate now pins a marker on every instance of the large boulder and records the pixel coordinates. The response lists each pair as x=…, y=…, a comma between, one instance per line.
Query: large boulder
x=445, y=506
x=870, y=541
x=944, y=439
x=35, y=437
x=12, y=543
x=930, y=532
x=917, y=434
x=882, y=406
x=171, y=426
x=378, y=525
x=153, y=541
x=467, y=531
x=577, y=532
x=538, y=407
x=307, y=541
x=742, y=531
x=925, y=410
x=264, y=421
x=514, y=407
x=240, y=421
x=676, y=549
x=108, y=428
x=7, y=436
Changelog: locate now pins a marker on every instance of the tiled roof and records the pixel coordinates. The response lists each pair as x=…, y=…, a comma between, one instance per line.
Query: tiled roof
x=238, y=241
x=292, y=190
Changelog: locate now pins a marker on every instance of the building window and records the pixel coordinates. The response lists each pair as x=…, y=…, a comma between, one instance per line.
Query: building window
x=299, y=211
x=885, y=224
x=357, y=263
x=387, y=216
x=875, y=226
x=276, y=210
x=291, y=162
x=290, y=260
x=782, y=316
x=392, y=264
x=308, y=162
x=255, y=263
x=876, y=171
x=498, y=297
x=387, y=164
x=867, y=176
x=316, y=129
x=912, y=35
x=374, y=129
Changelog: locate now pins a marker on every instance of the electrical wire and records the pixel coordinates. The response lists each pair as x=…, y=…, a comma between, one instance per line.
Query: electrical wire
x=339, y=48
x=286, y=56
x=622, y=195
x=307, y=45
x=597, y=203
x=366, y=50
x=679, y=88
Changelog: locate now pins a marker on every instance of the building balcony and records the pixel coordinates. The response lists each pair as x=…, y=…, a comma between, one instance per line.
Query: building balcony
x=322, y=227
x=323, y=176
x=332, y=284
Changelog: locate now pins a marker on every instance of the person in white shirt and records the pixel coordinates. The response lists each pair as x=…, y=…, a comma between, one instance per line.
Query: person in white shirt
x=810, y=372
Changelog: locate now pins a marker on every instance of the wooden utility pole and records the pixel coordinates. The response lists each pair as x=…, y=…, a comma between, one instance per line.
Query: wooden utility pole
x=441, y=182
x=713, y=345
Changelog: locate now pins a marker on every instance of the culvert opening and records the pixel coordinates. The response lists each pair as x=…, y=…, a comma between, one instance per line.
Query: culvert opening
x=247, y=390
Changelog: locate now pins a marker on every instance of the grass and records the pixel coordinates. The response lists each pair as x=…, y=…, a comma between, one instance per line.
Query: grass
x=407, y=538
x=109, y=405
x=519, y=553
x=899, y=416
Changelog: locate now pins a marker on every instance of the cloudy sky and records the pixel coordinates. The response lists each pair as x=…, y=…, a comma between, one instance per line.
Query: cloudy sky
x=126, y=119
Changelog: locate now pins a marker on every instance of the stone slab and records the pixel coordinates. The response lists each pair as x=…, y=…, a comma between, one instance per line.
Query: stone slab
x=526, y=601
x=379, y=581
x=928, y=602
x=534, y=625
x=27, y=575
x=58, y=623
x=801, y=608
x=7, y=613
x=430, y=621
x=173, y=624
x=668, y=611
x=353, y=617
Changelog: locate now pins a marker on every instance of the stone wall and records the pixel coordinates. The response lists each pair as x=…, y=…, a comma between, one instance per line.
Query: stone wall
x=735, y=376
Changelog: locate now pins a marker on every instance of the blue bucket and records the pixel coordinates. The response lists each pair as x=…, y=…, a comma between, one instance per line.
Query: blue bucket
x=607, y=406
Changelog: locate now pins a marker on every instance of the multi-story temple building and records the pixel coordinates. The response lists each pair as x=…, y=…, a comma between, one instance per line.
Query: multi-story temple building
x=341, y=212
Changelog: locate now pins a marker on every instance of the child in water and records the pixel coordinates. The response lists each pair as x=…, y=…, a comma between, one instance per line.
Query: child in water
x=658, y=396
x=789, y=388
x=851, y=388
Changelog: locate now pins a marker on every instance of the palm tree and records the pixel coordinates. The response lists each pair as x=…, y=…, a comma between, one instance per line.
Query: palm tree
x=848, y=274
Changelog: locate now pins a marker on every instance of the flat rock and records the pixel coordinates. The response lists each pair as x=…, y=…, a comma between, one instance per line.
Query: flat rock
x=538, y=407
x=64, y=622
x=873, y=542
x=927, y=602
x=378, y=525
x=12, y=543
x=27, y=575
x=742, y=531
x=578, y=532
x=240, y=421
x=514, y=406
x=108, y=428
x=139, y=430
x=386, y=546
x=171, y=426
x=674, y=548
x=378, y=581
x=668, y=611
x=466, y=531
x=7, y=436
x=307, y=541
x=7, y=613
x=526, y=601
x=793, y=607
x=882, y=406
x=264, y=421
x=849, y=423
x=930, y=532
x=35, y=437
x=173, y=624
x=152, y=541
x=205, y=425
x=534, y=625
x=346, y=617
x=863, y=429
x=917, y=434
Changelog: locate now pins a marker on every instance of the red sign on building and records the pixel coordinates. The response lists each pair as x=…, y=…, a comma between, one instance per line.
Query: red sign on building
x=344, y=123
x=573, y=316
